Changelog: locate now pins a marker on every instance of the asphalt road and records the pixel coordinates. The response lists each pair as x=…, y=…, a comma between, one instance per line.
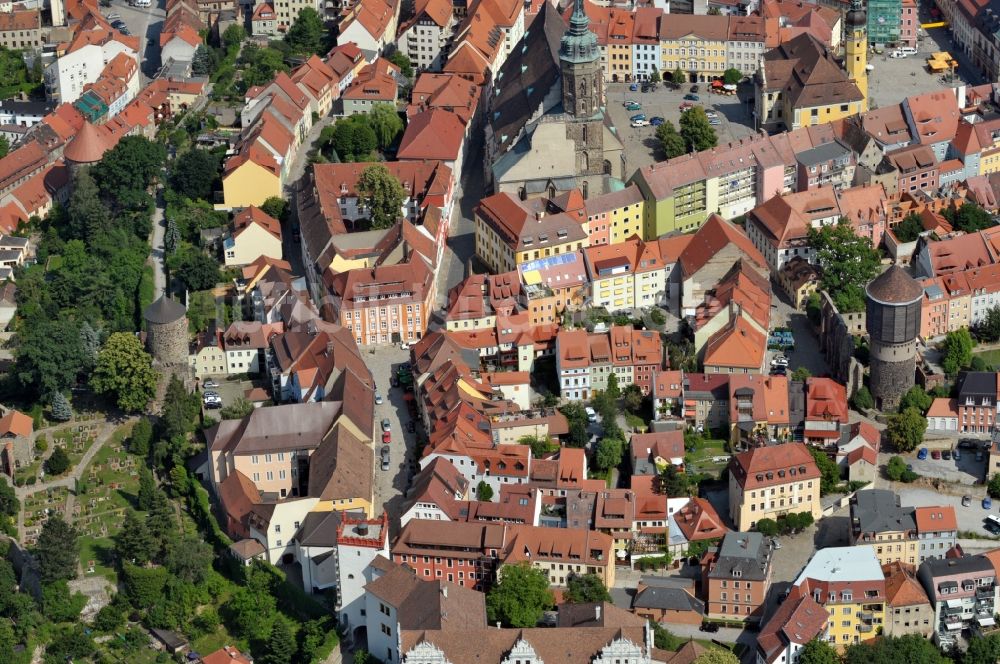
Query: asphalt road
x=146, y=25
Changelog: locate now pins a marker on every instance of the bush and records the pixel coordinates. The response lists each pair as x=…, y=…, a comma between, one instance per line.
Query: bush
x=58, y=463
x=863, y=399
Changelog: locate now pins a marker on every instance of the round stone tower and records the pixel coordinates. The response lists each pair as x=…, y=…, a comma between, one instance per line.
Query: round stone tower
x=167, y=332
x=893, y=320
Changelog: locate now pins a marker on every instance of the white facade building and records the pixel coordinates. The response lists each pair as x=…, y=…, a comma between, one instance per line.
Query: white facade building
x=66, y=76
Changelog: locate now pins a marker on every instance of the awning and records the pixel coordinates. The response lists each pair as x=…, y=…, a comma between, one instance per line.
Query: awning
x=821, y=433
x=954, y=603
x=987, y=622
x=953, y=626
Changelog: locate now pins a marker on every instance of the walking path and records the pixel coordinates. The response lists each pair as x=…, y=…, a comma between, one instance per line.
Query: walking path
x=105, y=432
x=157, y=252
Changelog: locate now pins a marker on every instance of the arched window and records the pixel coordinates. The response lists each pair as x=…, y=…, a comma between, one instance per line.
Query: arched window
x=586, y=189
x=521, y=193
x=584, y=134
x=607, y=167
x=585, y=162
x=552, y=190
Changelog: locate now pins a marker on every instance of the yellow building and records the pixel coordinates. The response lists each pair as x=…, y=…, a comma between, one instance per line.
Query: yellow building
x=510, y=232
x=616, y=216
x=619, y=46
x=801, y=84
x=250, y=178
x=627, y=275
x=694, y=44
x=848, y=582
x=770, y=482
x=879, y=523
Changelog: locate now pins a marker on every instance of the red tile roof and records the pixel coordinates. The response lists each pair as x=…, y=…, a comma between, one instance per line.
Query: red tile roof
x=698, y=520
x=16, y=423
x=713, y=237
x=931, y=518
x=433, y=134
x=774, y=465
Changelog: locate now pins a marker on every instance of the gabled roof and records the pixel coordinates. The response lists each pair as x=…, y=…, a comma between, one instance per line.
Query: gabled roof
x=698, y=520
x=432, y=134
x=253, y=215
x=715, y=235
x=15, y=423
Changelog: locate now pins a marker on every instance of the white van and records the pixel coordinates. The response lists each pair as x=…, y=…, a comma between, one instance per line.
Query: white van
x=905, y=50
x=591, y=414
x=143, y=3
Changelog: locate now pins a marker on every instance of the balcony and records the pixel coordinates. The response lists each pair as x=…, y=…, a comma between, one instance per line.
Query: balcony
x=864, y=629
x=867, y=616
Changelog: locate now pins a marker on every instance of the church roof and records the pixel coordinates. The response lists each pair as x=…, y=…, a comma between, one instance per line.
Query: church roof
x=527, y=76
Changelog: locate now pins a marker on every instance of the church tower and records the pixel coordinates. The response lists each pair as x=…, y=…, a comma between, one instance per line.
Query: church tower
x=856, y=59
x=583, y=95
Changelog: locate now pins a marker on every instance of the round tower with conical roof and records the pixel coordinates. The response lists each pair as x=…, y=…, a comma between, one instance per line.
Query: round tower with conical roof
x=892, y=310
x=167, y=332
x=87, y=147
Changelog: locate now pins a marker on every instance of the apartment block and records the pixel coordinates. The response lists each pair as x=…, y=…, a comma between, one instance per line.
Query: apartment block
x=767, y=482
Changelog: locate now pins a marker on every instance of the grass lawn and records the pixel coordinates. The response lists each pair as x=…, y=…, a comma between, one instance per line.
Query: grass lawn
x=701, y=459
x=99, y=550
x=991, y=357
x=215, y=640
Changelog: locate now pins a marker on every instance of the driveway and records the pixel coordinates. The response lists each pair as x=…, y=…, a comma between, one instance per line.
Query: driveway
x=807, y=351
x=146, y=25
x=969, y=518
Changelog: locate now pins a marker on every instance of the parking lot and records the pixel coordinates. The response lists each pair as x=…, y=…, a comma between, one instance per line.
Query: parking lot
x=969, y=518
x=228, y=390
x=640, y=142
x=144, y=23
x=966, y=470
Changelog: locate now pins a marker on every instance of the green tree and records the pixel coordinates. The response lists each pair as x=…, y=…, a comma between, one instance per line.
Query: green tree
x=576, y=416
x=91, y=341
x=143, y=586
x=818, y=652
x=146, y=495
x=88, y=216
x=57, y=551
x=141, y=437
x=905, y=430
x=863, y=399
x=897, y=471
x=801, y=374
x=60, y=409
x=311, y=636
x=125, y=372
x=698, y=134
x=917, y=398
x=280, y=645
x=912, y=649
x=654, y=76
x=672, y=482
x=663, y=639
x=111, y=617
x=540, y=445
x=233, y=36
x=49, y=355
x=4, y=146
x=382, y=195
x=767, y=527
x=399, y=59
x=971, y=218
x=180, y=408
x=989, y=329
x=276, y=207
x=848, y=263
x=195, y=268
x=386, y=123
x=612, y=390
x=59, y=604
x=131, y=165
x=194, y=173
x=363, y=657
x=678, y=76
x=9, y=504
x=58, y=462
x=993, y=487
x=353, y=138
x=829, y=471
x=956, y=351
x=201, y=62
x=134, y=544
x=732, y=76
x=672, y=143
x=484, y=491
x=252, y=608
x=608, y=454
x=237, y=410
x=983, y=650
x=584, y=588
x=716, y=656
x=307, y=33
x=632, y=398
x=69, y=644
x=519, y=597
x=909, y=229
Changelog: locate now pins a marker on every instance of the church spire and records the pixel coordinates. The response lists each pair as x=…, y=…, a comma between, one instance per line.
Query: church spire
x=579, y=44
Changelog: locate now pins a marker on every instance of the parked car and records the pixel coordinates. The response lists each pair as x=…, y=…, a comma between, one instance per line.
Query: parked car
x=378, y=399
x=936, y=454
x=709, y=627
x=386, y=453
x=404, y=346
x=645, y=87
x=966, y=500
x=656, y=121
x=386, y=437
x=209, y=383
x=634, y=87
x=633, y=107
x=629, y=102
x=956, y=455
x=714, y=122
x=946, y=455
x=987, y=503
x=694, y=89
x=691, y=97
x=640, y=123
x=638, y=116
x=386, y=426
x=922, y=454
x=775, y=543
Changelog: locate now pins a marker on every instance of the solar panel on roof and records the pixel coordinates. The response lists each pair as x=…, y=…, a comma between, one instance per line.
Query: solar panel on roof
x=548, y=262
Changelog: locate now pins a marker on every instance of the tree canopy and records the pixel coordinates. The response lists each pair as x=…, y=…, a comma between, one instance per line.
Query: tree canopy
x=909, y=229
x=818, y=652
x=382, y=196
x=584, y=588
x=519, y=597
x=956, y=351
x=193, y=174
x=912, y=649
x=196, y=269
x=696, y=130
x=732, y=76
x=829, y=471
x=971, y=218
x=307, y=34
x=672, y=143
x=848, y=262
x=57, y=551
x=132, y=164
x=717, y=656
x=125, y=372
x=905, y=430
x=400, y=59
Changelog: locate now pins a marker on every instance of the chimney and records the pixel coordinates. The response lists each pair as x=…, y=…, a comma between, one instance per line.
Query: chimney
x=597, y=613
x=539, y=215
x=329, y=347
